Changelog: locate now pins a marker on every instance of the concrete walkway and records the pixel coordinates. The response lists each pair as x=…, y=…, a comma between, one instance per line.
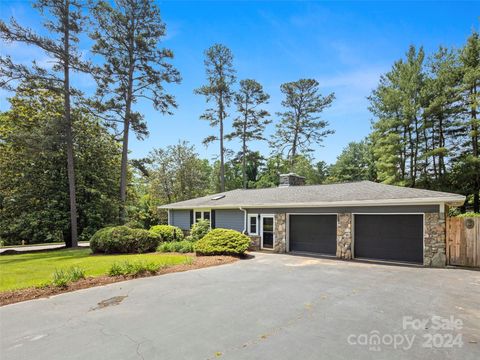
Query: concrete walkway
x=27, y=248
x=269, y=307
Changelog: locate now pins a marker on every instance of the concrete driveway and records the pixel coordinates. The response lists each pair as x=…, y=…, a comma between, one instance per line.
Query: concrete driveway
x=269, y=307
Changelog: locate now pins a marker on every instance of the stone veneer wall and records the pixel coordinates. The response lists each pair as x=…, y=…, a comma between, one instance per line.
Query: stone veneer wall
x=344, y=236
x=280, y=227
x=434, y=240
x=434, y=237
x=255, y=244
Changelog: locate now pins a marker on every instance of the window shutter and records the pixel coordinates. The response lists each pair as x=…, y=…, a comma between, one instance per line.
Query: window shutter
x=191, y=218
x=212, y=219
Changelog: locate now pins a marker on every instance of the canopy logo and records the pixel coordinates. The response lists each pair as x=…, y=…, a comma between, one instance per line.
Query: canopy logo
x=374, y=340
x=433, y=332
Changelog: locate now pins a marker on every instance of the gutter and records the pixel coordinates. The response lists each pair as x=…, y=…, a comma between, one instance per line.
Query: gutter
x=451, y=201
x=244, y=220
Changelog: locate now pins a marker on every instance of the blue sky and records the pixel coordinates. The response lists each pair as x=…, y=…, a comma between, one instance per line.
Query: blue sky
x=346, y=46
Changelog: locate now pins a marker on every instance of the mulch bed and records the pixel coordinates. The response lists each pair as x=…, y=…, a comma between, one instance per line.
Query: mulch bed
x=14, y=296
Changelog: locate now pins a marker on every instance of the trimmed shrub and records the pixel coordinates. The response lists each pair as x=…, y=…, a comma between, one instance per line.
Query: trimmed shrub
x=183, y=246
x=61, y=278
x=222, y=242
x=168, y=232
x=134, y=224
x=123, y=240
x=468, y=214
x=136, y=268
x=199, y=230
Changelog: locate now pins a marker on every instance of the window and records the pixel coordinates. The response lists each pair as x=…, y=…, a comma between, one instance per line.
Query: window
x=202, y=215
x=253, y=224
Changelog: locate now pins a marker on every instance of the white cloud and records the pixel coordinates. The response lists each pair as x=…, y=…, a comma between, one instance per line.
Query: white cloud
x=365, y=79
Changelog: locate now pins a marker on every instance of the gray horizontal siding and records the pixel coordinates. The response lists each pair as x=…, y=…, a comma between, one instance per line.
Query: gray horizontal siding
x=180, y=218
x=229, y=219
x=353, y=209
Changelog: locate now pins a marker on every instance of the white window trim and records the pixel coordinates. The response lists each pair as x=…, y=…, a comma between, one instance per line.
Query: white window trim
x=202, y=211
x=250, y=216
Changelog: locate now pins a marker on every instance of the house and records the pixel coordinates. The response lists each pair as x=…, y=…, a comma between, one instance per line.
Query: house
x=350, y=220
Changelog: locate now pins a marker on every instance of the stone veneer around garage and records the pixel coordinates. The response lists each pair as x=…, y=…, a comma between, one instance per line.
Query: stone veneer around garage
x=434, y=245
x=434, y=237
x=344, y=236
x=280, y=233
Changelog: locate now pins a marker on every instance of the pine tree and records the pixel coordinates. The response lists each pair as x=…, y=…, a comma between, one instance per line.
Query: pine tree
x=355, y=163
x=300, y=123
x=441, y=112
x=128, y=36
x=470, y=69
x=251, y=121
x=220, y=78
x=64, y=20
x=398, y=136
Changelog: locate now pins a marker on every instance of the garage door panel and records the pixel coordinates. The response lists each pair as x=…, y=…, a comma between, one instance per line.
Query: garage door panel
x=313, y=233
x=389, y=237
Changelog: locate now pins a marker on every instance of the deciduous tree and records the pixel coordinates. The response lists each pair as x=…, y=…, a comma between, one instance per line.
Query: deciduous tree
x=34, y=203
x=64, y=21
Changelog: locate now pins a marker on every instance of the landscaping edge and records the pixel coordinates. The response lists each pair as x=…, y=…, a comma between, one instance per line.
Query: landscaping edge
x=31, y=293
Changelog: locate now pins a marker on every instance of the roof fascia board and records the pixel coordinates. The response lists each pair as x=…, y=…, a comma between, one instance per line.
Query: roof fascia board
x=455, y=201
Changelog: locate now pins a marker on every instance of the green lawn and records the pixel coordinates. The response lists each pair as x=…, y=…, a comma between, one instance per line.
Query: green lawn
x=26, y=270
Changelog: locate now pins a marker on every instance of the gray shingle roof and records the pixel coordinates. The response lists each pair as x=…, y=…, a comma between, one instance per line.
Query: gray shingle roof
x=356, y=193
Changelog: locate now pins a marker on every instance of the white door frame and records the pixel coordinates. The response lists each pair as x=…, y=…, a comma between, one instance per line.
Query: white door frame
x=262, y=216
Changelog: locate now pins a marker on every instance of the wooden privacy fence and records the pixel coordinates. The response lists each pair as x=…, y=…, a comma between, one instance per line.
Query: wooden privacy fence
x=463, y=241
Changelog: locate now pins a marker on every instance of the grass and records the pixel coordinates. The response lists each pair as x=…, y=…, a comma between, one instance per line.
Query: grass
x=36, y=269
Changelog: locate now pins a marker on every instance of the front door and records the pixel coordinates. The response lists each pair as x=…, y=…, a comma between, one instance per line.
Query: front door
x=267, y=231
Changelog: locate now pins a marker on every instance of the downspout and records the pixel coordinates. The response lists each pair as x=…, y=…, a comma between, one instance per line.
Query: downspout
x=244, y=220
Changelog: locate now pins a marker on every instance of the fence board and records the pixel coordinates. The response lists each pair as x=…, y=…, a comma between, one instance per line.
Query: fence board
x=463, y=243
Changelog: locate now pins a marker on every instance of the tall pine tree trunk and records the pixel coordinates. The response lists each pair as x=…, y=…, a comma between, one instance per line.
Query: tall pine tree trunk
x=476, y=188
x=68, y=130
x=124, y=168
x=294, y=146
x=441, y=143
x=126, y=127
x=244, y=154
x=415, y=156
x=411, y=154
x=222, y=150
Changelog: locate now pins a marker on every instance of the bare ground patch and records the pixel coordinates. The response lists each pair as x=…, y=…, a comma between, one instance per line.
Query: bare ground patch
x=198, y=262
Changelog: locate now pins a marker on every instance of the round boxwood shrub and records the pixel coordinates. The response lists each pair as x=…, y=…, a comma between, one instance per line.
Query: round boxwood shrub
x=199, y=230
x=123, y=240
x=168, y=232
x=222, y=242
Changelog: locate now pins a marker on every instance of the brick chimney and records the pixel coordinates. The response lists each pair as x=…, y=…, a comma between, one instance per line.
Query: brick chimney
x=291, y=179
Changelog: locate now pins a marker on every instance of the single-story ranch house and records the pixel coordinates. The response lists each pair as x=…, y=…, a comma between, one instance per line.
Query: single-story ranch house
x=351, y=220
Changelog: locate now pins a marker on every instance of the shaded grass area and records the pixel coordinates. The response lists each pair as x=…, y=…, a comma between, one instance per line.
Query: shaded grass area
x=35, y=269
